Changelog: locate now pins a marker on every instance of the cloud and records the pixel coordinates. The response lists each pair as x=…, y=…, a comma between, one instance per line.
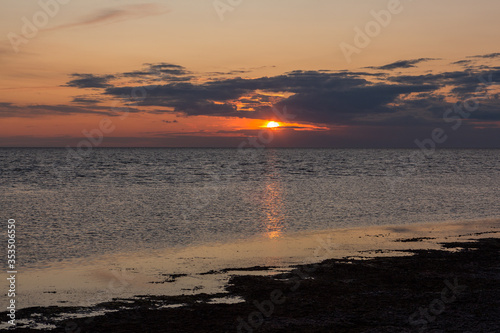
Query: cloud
x=486, y=56
x=318, y=97
x=349, y=105
x=85, y=100
x=229, y=73
x=461, y=62
x=402, y=64
x=10, y=110
x=89, y=81
x=460, y=82
x=322, y=98
x=218, y=98
x=160, y=72
x=114, y=15
x=314, y=96
x=238, y=71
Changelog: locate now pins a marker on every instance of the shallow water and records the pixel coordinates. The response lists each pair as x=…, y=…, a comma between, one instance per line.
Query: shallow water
x=118, y=200
x=207, y=268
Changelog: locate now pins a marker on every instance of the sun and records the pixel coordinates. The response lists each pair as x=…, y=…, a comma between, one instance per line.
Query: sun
x=272, y=124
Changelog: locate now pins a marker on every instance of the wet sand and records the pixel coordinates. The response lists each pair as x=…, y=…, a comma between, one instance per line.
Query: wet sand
x=383, y=279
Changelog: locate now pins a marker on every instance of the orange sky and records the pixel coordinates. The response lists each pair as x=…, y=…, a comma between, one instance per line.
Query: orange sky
x=253, y=40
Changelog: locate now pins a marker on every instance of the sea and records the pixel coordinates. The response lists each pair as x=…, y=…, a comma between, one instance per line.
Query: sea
x=70, y=204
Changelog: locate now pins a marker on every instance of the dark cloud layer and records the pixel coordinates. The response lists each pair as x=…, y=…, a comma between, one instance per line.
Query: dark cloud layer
x=348, y=105
x=321, y=97
x=317, y=97
x=375, y=105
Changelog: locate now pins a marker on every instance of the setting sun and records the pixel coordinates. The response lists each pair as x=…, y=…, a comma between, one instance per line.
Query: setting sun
x=272, y=124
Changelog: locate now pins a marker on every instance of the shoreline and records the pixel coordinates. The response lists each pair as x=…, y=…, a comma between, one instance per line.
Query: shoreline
x=183, y=270
x=393, y=244
x=428, y=290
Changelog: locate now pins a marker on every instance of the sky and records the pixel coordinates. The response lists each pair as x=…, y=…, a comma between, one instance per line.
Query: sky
x=214, y=73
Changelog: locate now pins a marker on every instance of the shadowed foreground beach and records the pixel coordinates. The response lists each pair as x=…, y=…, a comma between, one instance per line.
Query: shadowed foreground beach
x=426, y=291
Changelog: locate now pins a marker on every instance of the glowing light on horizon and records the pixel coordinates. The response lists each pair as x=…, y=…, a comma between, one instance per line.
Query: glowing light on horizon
x=273, y=124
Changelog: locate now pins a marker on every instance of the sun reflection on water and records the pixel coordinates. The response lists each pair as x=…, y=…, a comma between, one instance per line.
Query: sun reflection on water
x=273, y=204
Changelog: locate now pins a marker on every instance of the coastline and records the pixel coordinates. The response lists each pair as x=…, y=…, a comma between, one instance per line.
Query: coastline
x=256, y=265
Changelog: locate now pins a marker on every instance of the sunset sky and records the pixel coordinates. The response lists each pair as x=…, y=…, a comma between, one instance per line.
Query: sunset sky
x=204, y=73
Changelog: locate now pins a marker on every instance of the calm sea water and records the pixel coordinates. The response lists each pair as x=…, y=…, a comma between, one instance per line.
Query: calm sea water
x=115, y=200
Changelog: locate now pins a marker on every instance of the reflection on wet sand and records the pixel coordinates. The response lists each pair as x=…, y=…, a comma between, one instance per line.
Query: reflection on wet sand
x=76, y=283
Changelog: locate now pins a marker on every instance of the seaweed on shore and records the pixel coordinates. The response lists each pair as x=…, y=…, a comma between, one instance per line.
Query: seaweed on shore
x=431, y=290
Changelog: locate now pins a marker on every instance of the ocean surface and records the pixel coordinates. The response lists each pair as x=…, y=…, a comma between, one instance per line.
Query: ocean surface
x=110, y=200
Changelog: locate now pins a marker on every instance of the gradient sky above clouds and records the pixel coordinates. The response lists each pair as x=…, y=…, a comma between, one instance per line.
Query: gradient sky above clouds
x=172, y=73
